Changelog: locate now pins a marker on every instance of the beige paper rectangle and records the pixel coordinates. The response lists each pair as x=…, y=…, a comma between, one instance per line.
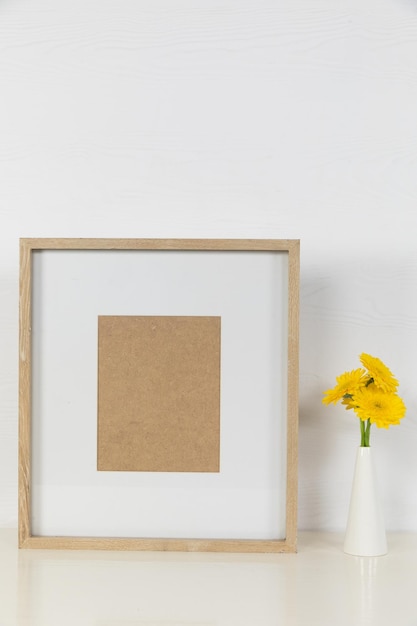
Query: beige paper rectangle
x=159, y=393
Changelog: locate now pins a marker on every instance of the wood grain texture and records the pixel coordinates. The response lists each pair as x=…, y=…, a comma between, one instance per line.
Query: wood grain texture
x=293, y=391
x=24, y=392
x=158, y=545
x=160, y=244
x=26, y=540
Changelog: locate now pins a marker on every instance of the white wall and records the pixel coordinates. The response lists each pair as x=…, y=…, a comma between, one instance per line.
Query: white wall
x=231, y=118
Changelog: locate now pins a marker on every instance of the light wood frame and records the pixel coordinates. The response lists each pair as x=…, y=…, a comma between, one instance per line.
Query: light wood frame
x=26, y=538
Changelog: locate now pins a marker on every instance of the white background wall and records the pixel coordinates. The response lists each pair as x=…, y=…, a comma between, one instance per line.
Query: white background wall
x=231, y=118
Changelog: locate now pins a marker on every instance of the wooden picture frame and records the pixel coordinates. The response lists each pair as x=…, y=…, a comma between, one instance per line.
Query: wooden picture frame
x=39, y=397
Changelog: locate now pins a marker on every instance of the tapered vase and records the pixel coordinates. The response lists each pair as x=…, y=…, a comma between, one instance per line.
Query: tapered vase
x=365, y=532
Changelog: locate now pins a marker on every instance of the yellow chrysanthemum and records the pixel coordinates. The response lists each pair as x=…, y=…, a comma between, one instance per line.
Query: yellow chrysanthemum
x=347, y=384
x=379, y=372
x=381, y=408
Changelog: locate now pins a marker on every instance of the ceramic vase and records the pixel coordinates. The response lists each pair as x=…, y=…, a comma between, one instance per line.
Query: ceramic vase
x=365, y=532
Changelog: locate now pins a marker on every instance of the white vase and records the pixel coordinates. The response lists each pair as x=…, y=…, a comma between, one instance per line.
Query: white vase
x=365, y=532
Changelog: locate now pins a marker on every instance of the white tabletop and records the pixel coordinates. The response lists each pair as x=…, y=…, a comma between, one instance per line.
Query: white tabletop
x=318, y=586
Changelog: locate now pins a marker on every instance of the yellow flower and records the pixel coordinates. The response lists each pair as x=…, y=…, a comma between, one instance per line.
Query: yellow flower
x=381, y=408
x=347, y=384
x=379, y=372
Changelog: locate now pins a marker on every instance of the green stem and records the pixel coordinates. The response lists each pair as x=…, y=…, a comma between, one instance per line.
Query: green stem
x=365, y=433
x=362, y=425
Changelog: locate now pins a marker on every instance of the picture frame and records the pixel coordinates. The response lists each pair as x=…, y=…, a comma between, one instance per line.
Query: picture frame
x=65, y=502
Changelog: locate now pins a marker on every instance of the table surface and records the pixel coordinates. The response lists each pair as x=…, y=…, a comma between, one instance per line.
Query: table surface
x=320, y=585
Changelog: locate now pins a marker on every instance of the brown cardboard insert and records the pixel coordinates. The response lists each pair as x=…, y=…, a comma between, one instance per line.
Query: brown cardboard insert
x=159, y=393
